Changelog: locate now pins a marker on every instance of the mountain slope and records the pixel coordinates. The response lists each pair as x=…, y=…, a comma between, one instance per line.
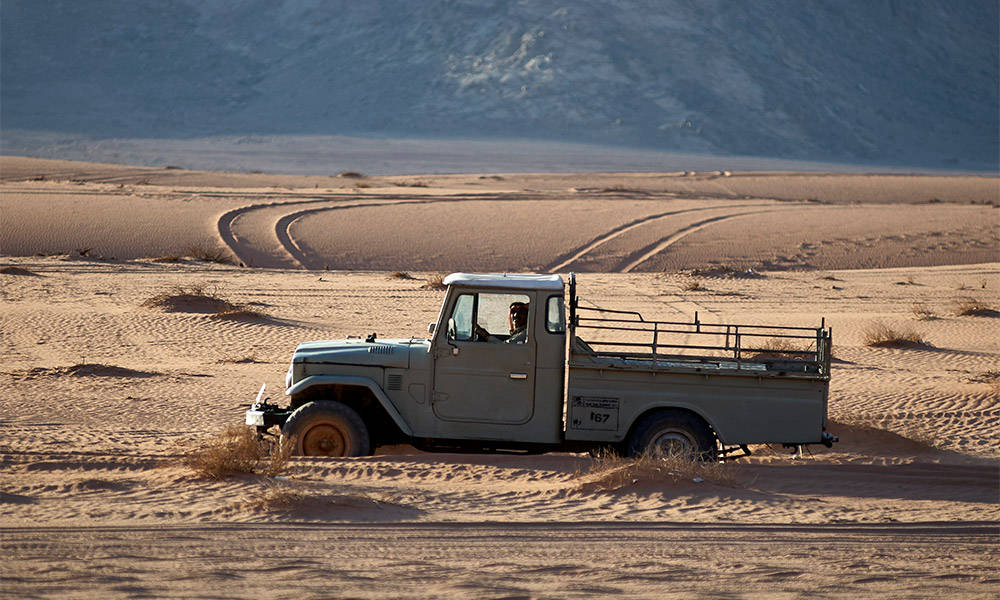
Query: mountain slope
x=891, y=82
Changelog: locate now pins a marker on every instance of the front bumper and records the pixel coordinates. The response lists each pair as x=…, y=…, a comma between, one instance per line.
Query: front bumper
x=263, y=415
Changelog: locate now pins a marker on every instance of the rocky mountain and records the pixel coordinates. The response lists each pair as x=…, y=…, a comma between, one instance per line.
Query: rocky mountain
x=905, y=82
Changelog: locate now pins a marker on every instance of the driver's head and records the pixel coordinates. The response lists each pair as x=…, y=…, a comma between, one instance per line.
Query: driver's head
x=518, y=315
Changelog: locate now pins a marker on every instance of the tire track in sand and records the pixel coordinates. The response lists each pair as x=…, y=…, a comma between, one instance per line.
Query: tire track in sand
x=649, y=252
x=623, y=229
x=290, y=253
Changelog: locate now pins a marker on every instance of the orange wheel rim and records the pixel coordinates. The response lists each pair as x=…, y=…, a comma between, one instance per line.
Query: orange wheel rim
x=324, y=440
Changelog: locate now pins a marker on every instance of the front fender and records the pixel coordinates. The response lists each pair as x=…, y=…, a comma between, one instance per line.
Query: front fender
x=316, y=380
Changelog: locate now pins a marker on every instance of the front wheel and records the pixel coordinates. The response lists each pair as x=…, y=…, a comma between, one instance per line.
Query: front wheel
x=670, y=433
x=326, y=428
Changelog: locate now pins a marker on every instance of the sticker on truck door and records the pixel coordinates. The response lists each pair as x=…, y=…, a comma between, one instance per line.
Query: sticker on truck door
x=591, y=412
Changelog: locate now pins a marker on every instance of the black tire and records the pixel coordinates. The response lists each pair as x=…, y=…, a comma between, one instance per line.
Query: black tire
x=326, y=428
x=672, y=432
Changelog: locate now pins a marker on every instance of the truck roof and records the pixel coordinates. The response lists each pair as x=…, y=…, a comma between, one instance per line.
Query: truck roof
x=518, y=281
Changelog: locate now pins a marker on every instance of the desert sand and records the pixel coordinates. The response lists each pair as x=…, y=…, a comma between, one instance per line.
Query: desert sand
x=102, y=396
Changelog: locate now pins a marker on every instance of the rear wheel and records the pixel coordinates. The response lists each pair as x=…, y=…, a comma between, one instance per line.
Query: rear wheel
x=672, y=432
x=327, y=428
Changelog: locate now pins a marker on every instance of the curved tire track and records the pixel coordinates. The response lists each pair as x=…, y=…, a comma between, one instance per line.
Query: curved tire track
x=293, y=250
x=621, y=230
x=296, y=255
x=649, y=252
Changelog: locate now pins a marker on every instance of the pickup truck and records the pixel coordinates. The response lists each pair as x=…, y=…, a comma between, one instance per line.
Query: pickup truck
x=515, y=363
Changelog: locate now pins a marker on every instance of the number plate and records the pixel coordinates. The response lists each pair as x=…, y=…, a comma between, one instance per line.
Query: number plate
x=589, y=412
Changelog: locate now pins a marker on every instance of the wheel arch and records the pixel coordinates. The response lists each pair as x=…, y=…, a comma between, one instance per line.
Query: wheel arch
x=668, y=408
x=361, y=394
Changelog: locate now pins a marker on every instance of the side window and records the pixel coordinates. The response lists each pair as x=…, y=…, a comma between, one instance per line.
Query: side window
x=490, y=317
x=555, y=315
x=460, y=323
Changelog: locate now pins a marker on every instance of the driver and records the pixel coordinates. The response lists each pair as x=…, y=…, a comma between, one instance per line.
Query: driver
x=517, y=319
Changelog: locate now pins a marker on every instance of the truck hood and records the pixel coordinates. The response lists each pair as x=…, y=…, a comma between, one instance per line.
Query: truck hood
x=393, y=353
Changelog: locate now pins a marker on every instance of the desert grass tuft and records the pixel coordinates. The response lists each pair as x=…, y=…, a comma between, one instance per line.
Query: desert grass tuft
x=971, y=307
x=881, y=335
x=400, y=275
x=724, y=272
x=777, y=348
x=297, y=497
x=693, y=286
x=193, y=298
x=610, y=472
x=240, y=360
x=237, y=451
x=13, y=270
x=621, y=189
x=990, y=378
x=210, y=254
x=435, y=282
x=922, y=313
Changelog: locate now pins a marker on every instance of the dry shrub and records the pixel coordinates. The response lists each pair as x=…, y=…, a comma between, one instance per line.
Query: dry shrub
x=881, y=335
x=413, y=184
x=777, y=348
x=922, y=313
x=990, y=378
x=724, y=272
x=693, y=286
x=193, y=298
x=238, y=450
x=12, y=270
x=210, y=254
x=289, y=498
x=99, y=370
x=971, y=307
x=621, y=189
x=610, y=472
x=198, y=298
x=241, y=360
x=435, y=282
x=351, y=175
x=167, y=258
x=400, y=275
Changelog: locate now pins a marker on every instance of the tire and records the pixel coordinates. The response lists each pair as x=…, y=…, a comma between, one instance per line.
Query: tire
x=326, y=428
x=668, y=432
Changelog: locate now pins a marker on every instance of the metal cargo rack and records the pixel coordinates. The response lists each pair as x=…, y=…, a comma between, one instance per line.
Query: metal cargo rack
x=628, y=337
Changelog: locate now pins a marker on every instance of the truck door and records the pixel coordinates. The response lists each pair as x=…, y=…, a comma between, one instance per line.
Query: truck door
x=485, y=366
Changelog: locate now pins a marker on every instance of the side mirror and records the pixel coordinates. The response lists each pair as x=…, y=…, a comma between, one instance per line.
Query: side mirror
x=452, y=329
x=430, y=327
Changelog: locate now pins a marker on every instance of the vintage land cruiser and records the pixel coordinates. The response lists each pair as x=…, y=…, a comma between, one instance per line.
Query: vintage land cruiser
x=504, y=369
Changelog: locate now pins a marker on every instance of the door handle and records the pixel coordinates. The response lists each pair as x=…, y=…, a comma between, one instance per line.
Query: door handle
x=518, y=375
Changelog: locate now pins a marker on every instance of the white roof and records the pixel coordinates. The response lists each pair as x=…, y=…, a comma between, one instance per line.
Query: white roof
x=506, y=280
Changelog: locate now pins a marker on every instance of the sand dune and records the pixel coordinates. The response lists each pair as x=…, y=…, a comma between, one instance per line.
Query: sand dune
x=596, y=223
x=104, y=389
